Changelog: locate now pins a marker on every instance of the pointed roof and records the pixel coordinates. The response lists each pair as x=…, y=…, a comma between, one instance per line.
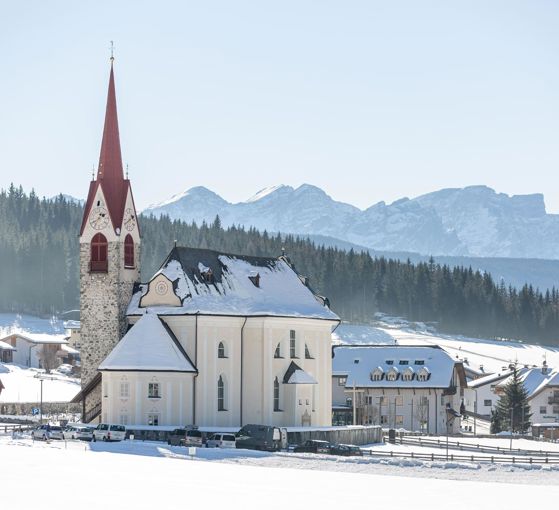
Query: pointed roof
x=148, y=346
x=296, y=375
x=110, y=175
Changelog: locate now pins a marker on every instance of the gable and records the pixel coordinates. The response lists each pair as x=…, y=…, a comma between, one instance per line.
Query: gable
x=160, y=292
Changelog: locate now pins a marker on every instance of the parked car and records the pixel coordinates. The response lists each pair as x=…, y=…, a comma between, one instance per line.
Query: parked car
x=78, y=432
x=65, y=369
x=193, y=438
x=109, y=432
x=41, y=432
x=347, y=450
x=261, y=437
x=177, y=437
x=56, y=432
x=220, y=440
x=313, y=446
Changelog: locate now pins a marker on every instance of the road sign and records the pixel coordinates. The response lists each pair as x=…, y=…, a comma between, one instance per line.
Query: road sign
x=35, y=411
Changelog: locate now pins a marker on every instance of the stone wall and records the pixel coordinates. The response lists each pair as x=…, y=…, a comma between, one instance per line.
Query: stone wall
x=104, y=298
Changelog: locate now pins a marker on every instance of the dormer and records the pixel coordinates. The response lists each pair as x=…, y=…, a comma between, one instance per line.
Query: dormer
x=423, y=374
x=206, y=273
x=392, y=374
x=408, y=374
x=377, y=374
x=255, y=279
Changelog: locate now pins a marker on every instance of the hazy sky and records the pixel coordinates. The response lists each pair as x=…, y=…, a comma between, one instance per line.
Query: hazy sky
x=369, y=100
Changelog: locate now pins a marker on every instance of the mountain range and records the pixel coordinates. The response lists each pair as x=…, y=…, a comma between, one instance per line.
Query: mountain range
x=475, y=221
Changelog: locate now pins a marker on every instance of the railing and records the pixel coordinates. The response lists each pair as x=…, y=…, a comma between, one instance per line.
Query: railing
x=479, y=448
x=8, y=429
x=92, y=413
x=493, y=459
x=553, y=400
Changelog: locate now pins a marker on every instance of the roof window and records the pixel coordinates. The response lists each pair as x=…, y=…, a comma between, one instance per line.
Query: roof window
x=419, y=362
x=403, y=362
x=389, y=362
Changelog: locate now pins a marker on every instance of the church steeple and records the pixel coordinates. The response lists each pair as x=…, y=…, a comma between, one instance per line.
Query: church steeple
x=110, y=176
x=110, y=159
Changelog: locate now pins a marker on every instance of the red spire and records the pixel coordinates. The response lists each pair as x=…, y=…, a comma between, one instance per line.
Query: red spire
x=110, y=160
x=110, y=177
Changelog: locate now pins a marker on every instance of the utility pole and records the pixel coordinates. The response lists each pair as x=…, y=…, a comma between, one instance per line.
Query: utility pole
x=411, y=424
x=475, y=412
x=511, y=420
x=41, y=405
x=354, y=405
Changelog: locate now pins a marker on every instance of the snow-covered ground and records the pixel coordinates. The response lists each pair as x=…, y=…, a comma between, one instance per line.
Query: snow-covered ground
x=489, y=356
x=16, y=322
x=23, y=385
x=153, y=475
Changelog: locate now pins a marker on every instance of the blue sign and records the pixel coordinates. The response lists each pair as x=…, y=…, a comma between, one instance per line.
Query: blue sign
x=35, y=411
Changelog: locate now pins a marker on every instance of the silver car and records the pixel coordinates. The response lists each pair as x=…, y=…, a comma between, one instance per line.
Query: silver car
x=78, y=432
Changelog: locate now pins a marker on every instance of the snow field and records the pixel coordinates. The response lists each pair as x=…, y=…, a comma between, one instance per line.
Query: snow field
x=152, y=475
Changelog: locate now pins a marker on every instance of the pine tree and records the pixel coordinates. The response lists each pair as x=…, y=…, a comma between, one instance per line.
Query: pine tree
x=513, y=405
x=496, y=425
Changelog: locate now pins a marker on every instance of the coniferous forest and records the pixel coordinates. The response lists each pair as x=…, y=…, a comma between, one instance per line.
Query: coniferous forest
x=39, y=273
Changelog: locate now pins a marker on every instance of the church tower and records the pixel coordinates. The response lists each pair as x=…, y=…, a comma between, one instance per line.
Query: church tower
x=109, y=259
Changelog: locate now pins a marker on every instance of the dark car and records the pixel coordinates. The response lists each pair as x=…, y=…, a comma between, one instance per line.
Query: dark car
x=347, y=450
x=259, y=437
x=313, y=446
x=177, y=437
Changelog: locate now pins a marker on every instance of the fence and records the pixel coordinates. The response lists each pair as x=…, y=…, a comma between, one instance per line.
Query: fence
x=493, y=459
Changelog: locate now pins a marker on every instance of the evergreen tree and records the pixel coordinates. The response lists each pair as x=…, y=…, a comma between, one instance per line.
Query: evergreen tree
x=513, y=409
x=496, y=425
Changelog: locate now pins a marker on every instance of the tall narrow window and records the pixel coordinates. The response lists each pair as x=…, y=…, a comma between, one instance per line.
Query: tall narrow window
x=124, y=389
x=129, y=252
x=292, y=345
x=221, y=350
x=277, y=353
x=220, y=394
x=99, y=252
x=276, y=395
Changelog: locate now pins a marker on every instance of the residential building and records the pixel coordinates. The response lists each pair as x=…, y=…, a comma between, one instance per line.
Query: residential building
x=417, y=388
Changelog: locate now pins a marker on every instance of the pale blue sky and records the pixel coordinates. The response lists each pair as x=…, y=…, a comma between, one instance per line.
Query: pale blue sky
x=369, y=100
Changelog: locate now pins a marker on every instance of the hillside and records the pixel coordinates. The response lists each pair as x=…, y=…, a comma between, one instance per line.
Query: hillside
x=474, y=221
x=39, y=273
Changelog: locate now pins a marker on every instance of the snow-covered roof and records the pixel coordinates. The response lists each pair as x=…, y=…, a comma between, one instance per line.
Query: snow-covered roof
x=148, y=346
x=69, y=350
x=39, y=338
x=296, y=375
x=232, y=288
x=535, y=380
x=488, y=379
x=6, y=347
x=72, y=324
x=360, y=361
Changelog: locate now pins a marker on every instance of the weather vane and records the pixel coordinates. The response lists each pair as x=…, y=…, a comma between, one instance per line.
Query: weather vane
x=112, y=48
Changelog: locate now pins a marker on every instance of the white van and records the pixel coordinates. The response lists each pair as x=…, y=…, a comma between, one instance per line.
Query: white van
x=220, y=440
x=109, y=432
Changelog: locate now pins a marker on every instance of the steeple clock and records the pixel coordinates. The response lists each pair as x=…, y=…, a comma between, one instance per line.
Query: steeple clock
x=109, y=259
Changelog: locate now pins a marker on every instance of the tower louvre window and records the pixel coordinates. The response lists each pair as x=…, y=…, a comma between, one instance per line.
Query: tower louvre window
x=129, y=252
x=99, y=254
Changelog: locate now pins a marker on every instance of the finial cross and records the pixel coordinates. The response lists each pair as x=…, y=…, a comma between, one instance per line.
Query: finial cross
x=112, y=48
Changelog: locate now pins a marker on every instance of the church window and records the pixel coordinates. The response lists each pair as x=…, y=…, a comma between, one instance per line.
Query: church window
x=276, y=395
x=124, y=389
x=220, y=394
x=153, y=390
x=124, y=418
x=129, y=252
x=99, y=254
x=292, y=344
x=307, y=352
x=153, y=419
x=277, y=353
x=221, y=350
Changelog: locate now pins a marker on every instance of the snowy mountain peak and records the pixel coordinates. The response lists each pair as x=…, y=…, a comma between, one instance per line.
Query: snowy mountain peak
x=471, y=221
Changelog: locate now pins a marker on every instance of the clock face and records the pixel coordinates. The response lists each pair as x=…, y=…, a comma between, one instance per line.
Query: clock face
x=99, y=218
x=129, y=219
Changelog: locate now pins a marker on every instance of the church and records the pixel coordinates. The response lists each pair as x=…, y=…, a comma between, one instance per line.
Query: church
x=212, y=339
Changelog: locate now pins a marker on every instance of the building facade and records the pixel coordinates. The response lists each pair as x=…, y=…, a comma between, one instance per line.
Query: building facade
x=416, y=388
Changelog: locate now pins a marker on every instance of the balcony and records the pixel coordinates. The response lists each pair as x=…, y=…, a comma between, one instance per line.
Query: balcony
x=99, y=266
x=451, y=390
x=553, y=399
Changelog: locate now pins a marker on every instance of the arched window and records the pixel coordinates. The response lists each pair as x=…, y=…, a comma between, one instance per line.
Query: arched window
x=99, y=253
x=277, y=352
x=292, y=344
x=276, y=395
x=221, y=350
x=129, y=252
x=220, y=394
